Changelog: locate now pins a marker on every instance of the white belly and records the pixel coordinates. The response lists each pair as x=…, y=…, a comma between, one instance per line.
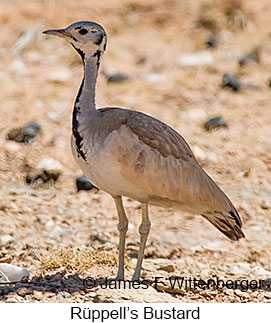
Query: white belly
x=105, y=172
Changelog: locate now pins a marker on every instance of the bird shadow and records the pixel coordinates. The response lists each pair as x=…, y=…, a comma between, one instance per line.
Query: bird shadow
x=57, y=283
x=54, y=283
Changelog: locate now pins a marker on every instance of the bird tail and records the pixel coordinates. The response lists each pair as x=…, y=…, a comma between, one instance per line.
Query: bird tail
x=229, y=223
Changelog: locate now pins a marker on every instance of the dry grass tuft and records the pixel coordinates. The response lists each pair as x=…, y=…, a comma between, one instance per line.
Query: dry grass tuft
x=75, y=260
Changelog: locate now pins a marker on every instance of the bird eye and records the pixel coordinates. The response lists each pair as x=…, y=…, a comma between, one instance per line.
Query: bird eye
x=83, y=31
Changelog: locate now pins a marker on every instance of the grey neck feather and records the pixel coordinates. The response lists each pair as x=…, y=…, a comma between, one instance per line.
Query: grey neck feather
x=84, y=108
x=87, y=96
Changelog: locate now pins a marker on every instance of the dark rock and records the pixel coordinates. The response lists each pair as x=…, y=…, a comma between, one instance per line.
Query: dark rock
x=229, y=80
x=216, y=122
x=32, y=129
x=117, y=77
x=15, y=134
x=50, y=176
x=252, y=57
x=25, y=134
x=48, y=170
x=4, y=290
x=167, y=267
x=34, y=175
x=212, y=42
x=98, y=237
x=83, y=184
x=268, y=283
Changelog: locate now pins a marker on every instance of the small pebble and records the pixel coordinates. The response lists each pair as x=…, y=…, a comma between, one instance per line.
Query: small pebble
x=6, y=239
x=98, y=237
x=50, y=164
x=6, y=258
x=25, y=134
x=117, y=77
x=50, y=59
x=241, y=294
x=212, y=42
x=63, y=295
x=23, y=291
x=16, y=135
x=155, y=78
x=198, y=115
x=51, y=168
x=240, y=269
x=32, y=129
x=167, y=268
x=12, y=147
x=13, y=273
x=58, y=232
x=48, y=170
x=196, y=59
x=265, y=205
x=18, y=68
x=260, y=272
x=229, y=80
x=60, y=76
x=49, y=224
x=83, y=184
x=199, y=153
x=34, y=176
x=38, y=295
x=237, y=292
x=216, y=122
x=211, y=158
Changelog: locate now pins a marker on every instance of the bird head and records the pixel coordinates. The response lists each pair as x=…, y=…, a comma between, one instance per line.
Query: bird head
x=88, y=38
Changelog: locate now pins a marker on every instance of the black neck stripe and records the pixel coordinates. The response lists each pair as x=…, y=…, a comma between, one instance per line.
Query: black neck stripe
x=75, y=125
x=81, y=53
x=98, y=54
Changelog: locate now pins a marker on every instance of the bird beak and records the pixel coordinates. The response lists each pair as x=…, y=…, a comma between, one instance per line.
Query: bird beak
x=57, y=32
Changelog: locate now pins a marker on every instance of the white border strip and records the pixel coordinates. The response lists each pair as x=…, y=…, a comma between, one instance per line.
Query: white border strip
x=133, y=312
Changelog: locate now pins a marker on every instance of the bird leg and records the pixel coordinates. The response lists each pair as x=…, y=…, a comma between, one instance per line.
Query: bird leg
x=122, y=227
x=144, y=230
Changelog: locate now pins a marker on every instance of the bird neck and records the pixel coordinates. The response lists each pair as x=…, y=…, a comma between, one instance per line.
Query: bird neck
x=86, y=94
x=84, y=108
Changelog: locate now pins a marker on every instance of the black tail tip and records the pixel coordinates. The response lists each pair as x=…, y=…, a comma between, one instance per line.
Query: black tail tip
x=236, y=234
x=229, y=224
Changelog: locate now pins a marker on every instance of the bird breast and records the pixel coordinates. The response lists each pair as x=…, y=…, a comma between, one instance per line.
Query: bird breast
x=104, y=164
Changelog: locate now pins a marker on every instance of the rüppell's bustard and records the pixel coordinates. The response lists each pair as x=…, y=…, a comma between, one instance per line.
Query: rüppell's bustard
x=128, y=153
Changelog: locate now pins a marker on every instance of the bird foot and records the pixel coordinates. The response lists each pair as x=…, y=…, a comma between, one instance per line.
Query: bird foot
x=136, y=278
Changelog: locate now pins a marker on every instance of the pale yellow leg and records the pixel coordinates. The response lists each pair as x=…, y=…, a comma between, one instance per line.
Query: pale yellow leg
x=122, y=227
x=144, y=230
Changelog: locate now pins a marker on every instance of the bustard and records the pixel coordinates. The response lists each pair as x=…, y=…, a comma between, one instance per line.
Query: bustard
x=128, y=153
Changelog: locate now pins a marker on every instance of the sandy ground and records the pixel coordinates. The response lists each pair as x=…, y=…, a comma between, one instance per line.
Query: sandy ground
x=53, y=227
